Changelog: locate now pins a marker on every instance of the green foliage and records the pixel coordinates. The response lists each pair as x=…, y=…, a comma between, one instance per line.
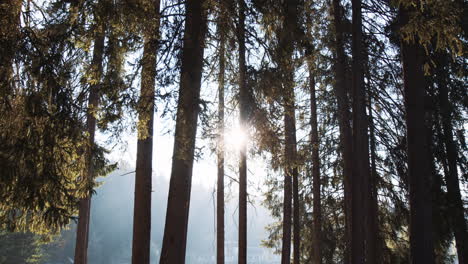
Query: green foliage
x=42, y=139
x=21, y=248
x=431, y=20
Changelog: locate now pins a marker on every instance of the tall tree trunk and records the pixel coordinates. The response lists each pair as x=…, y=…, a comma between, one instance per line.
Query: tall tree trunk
x=143, y=172
x=291, y=174
x=242, y=258
x=175, y=231
x=287, y=202
x=314, y=141
x=290, y=171
x=82, y=232
x=373, y=244
x=421, y=243
x=287, y=38
x=220, y=148
x=296, y=206
x=361, y=173
x=10, y=12
x=344, y=117
x=455, y=202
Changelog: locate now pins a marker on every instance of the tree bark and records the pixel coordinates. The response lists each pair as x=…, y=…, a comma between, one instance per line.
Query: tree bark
x=220, y=149
x=82, y=232
x=175, y=231
x=373, y=243
x=314, y=141
x=287, y=38
x=344, y=118
x=10, y=12
x=361, y=170
x=143, y=173
x=455, y=202
x=242, y=258
x=421, y=243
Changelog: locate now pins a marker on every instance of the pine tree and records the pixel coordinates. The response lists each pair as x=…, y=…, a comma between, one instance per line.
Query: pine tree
x=222, y=27
x=175, y=230
x=422, y=249
x=344, y=118
x=455, y=202
x=143, y=172
x=243, y=93
x=314, y=141
x=10, y=12
x=360, y=180
x=82, y=232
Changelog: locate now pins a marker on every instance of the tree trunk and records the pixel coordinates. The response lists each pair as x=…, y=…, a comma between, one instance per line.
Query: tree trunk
x=10, y=12
x=286, y=239
x=82, y=232
x=455, y=202
x=373, y=243
x=344, y=118
x=175, y=231
x=296, y=211
x=287, y=39
x=220, y=149
x=314, y=141
x=361, y=170
x=143, y=172
x=291, y=173
x=421, y=244
x=242, y=258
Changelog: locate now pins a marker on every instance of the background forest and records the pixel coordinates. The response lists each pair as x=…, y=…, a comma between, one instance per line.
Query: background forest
x=342, y=122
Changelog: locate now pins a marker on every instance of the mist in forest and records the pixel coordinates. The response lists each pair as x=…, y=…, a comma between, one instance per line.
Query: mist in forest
x=111, y=225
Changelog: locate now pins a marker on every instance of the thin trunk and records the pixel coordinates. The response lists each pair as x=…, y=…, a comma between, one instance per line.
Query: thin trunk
x=82, y=232
x=10, y=12
x=242, y=258
x=455, y=202
x=373, y=244
x=287, y=204
x=220, y=153
x=344, y=117
x=291, y=177
x=290, y=171
x=361, y=170
x=296, y=213
x=314, y=141
x=143, y=172
x=175, y=231
x=421, y=243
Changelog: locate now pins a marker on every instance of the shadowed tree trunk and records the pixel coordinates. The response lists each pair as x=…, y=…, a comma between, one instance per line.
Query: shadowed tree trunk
x=344, y=118
x=143, y=172
x=10, y=12
x=421, y=244
x=361, y=170
x=314, y=141
x=373, y=245
x=242, y=258
x=455, y=202
x=220, y=150
x=291, y=175
x=175, y=231
x=82, y=232
x=287, y=202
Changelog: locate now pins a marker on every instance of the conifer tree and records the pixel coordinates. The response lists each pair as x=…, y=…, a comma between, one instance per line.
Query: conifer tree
x=175, y=230
x=422, y=249
x=143, y=172
x=222, y=27
x=344, y=117
x=82, y=231
x=243, y=122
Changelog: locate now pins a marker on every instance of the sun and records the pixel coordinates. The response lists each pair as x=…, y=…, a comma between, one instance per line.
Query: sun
x=235, y=138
